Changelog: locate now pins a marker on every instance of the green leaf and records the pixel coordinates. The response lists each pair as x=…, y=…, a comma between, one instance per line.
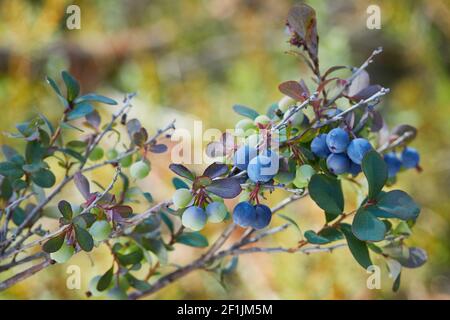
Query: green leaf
x=314, y=238
x=327, y=193
x=165, y=218
x=73, y=88
x=179, y=184
x=54, y=244
x=80, y=111
x=375, y=170
x=105, y=280
x=34, y=152
x=43, y=178
x=95, y=97
x=66, y=209
x=396, y=284
x=245, y=111
x=367, y=227
x=291, y=221
x=136, y=283
x=18, y=216
x=11, y=170
x=55, y=88
x=130, y=258
x=72, y=153
x=193, y=239
x=399, y=204
x=357, y=247
x=330, y=233
x=84, y=238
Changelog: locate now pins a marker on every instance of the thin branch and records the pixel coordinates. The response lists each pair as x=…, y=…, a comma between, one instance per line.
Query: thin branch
x=361, y=103
x=24, y=274
x=354, y=75
x=63, y=228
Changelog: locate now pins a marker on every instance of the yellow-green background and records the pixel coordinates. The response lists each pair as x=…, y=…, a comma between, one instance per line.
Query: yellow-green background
x=194, y=60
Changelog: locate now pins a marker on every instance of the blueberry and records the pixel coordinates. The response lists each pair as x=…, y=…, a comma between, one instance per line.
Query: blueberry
x=194, y=218
x=319, y=146
x=337, y=140
x=393, y=164
x=354, y=169
x=243, y=155
x=357, y=149
x=263, y=168
x=338, y=163
x=263, y=216
x=410, y=158
x=244, y=214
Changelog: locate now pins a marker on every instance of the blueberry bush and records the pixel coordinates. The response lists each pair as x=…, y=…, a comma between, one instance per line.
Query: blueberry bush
x=308, y=144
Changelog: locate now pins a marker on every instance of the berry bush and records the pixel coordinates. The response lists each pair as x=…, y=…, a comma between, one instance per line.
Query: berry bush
x=313, y=140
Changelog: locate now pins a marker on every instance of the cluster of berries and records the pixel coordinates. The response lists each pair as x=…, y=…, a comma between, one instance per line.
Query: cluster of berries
x=256, y=216
x=343, y=155
x=408, y=159
x=195, y=217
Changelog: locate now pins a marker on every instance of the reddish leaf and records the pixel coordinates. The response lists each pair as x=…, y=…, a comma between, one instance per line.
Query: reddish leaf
x=361, y=82
x=83, y=185
x=293, y=89
x=366, y=92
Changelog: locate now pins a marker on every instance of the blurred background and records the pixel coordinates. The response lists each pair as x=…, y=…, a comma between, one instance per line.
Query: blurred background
x=193, y=60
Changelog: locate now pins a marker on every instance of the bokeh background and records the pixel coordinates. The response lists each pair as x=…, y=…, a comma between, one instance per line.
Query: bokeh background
x=195, y=59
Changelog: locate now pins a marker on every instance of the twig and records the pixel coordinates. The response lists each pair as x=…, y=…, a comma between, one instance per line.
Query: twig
x=361, y=103
x=63, y=228
x=24, y=274
x=354, y=75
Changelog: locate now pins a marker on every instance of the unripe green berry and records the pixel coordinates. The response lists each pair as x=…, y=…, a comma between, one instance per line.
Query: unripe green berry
x=181, y=198
x=285, y=103
x=112, y=154
x=63, y=254
x=243, y=127
x=100, y=230
x=117, y=293
x=127, y=161
x=302, y=175
x=96, y=154
x=216, y=212
x=140, y=170
x=262, y=120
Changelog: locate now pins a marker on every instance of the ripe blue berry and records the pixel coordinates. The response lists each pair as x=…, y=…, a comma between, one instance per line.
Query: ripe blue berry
x=262, y=168
x=243, y=155
x=410, y=158
x=194, y=218
x=337, y=140
x=357, y=149
x=319, y=146
x=263, y=216
x=393, y=164
x=338, y=163
x=354, y=169
x=244, y=214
